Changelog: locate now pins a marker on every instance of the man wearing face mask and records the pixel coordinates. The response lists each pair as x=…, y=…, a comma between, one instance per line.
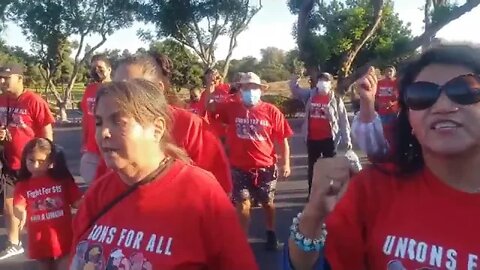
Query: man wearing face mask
x=100, y=70
x=253, y=127
x=326, y=122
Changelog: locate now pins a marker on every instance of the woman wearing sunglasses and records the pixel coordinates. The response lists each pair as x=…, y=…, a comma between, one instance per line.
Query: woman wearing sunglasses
x=422, y=214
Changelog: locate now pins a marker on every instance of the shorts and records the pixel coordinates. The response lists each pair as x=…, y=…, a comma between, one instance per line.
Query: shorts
x=258, y=184
x=8, y=178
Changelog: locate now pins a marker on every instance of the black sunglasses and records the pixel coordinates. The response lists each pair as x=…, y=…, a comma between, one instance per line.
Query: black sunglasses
x=463, y=90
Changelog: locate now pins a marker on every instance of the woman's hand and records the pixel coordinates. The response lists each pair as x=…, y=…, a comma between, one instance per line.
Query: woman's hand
x=367, y=89
x=330, y=180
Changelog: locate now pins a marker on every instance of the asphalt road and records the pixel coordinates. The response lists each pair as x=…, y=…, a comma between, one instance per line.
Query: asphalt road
x=291, y=196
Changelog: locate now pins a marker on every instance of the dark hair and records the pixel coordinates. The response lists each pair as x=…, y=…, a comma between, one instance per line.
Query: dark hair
x=103, y=58
x=156, y=67
x=408, y=153
x=234, y=88
x=59, y=171
x=143, y=101
x=390, y=67
x=209, y=71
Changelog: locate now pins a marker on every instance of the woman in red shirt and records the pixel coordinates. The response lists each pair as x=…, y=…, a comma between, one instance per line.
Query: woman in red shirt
x=189, y=131
x=422, y=215
x=136, y=214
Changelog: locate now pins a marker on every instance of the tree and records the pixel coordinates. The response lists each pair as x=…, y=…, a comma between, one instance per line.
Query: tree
x=187, y=71
x=115, y=55
x=272, y=56
x=272, y=66
x=245, y=64
x=41, y=22
x=49, y=24
x=355, y=37
x=198, y=24
x=293, y=63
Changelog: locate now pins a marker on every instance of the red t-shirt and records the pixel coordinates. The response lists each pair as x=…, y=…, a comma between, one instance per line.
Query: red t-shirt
x=26, y=116
x=182, y=220
x=386, y=222
x=387, y=94
x=252, y=133
x=318, y=121
x=88, y=119
x=197, y=108
x=49, y=219
x=192, y=133
x=221, y=95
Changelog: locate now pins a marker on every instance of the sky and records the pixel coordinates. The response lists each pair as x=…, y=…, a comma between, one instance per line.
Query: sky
x=272, y=27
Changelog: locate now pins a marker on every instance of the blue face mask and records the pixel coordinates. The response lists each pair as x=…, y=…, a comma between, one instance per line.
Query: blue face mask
x=251, y=97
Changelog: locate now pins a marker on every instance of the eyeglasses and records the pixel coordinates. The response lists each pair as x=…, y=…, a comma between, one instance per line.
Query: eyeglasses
x=463, y=90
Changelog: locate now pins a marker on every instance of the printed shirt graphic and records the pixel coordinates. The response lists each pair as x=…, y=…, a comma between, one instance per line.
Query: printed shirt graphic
x=88, y=119
x=26, y=117
x=49, y=219
x=386, y=222
x=252, y=133
x=319, y=122
x=160, y=235
x=386, y=97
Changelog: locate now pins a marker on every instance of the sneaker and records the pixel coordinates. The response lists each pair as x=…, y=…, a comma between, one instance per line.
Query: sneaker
x=11, y=250
x=255, y=204
x=272, y=242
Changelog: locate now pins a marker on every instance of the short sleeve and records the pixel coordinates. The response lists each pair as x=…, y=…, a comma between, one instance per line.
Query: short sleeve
x=281, y=127
x=19, y=195
x=205, y=149
x=41, y=113
x=73, y=192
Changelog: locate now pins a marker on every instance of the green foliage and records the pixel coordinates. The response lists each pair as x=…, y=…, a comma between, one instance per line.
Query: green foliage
x=187, y=71
x=198, y=24
x=288, y=106
x=442, y=11
x=275, y=65
x=48, y=25
x=336, y=26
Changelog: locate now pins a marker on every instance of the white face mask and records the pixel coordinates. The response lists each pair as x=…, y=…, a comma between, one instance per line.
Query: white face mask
x=324, y=87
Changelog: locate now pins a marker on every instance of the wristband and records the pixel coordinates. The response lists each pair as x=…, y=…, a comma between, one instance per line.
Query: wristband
x=304, y=243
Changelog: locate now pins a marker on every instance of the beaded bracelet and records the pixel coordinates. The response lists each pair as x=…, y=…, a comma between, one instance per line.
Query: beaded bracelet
x=304, y=243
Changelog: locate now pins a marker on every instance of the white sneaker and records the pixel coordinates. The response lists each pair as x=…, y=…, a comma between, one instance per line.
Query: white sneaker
x=11, y=250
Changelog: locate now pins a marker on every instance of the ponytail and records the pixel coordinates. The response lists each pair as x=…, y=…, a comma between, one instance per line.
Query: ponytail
x=166, y=69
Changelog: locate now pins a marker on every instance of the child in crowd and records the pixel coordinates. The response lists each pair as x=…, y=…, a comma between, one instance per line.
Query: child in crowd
x=43, y=198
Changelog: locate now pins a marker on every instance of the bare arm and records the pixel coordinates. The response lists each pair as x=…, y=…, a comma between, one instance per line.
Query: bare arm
x=284, y=149
x=47, y=132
